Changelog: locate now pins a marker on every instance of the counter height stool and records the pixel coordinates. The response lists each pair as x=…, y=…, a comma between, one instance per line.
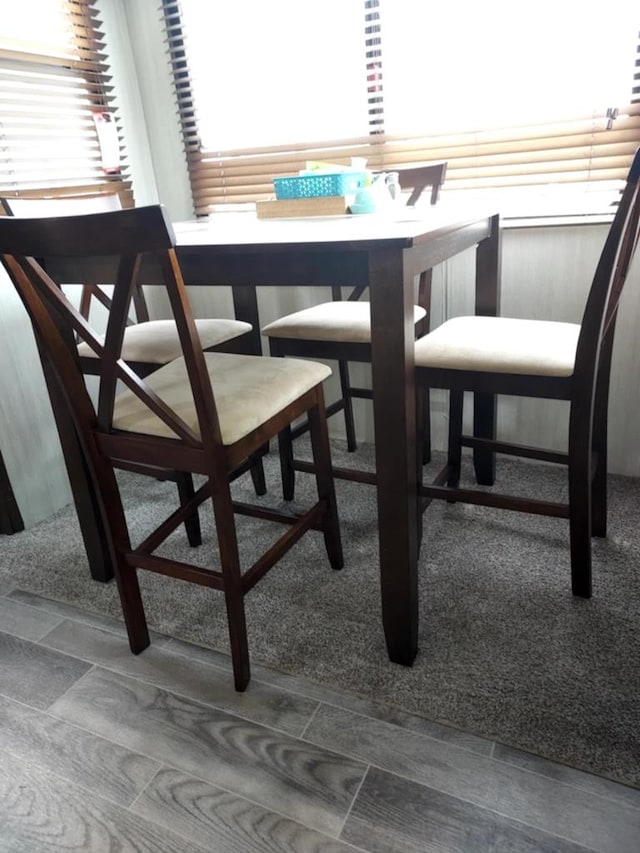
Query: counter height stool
x=549, y=360
x=204, y=413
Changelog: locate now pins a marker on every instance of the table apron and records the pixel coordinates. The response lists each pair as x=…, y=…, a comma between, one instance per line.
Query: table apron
x=202, y=267
x=436, y=250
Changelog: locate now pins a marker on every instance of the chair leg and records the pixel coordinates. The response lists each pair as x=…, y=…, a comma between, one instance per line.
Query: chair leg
x=345, y=387
x=580, y=506
x=424, y=401
x=420, y=416
x=232, y=581
x=184, y=482
x=117, y=535
x=257, y=473
x=326, y=487
x=132, y=609
x=287, y=471
x=424, y=300
x=599, y=442
x=454, y=460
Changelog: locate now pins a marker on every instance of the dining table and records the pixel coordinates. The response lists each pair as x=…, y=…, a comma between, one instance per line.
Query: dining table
x=384, y=253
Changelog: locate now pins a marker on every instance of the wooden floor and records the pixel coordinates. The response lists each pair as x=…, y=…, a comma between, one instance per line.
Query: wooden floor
x=104, y=751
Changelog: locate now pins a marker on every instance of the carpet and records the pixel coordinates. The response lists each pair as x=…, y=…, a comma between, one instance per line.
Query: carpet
x=506, y=651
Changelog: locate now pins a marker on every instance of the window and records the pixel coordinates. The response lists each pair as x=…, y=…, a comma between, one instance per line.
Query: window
x=58, y=124
x=537, y=107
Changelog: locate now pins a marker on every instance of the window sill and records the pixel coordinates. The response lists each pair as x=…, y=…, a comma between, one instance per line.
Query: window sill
x=515, y=222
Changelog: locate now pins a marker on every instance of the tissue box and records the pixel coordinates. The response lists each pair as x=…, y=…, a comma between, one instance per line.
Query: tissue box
x=320, y=184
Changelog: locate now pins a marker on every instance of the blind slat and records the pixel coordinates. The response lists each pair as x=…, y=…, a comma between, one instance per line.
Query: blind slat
x=49, y=99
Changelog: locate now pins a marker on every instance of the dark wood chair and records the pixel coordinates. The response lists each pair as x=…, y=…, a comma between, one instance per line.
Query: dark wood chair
x=542, y=359
x=341, y=330
x=203, y=413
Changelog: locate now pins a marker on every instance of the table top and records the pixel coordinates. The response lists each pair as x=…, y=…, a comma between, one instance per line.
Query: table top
x=403, y=226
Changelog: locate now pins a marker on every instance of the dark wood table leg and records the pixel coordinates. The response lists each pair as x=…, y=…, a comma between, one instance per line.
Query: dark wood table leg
x=245, y=304
x=487, y=304
x=392, y=365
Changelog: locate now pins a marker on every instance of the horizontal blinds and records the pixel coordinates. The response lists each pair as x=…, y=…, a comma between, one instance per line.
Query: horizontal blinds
x=50, y=93
x=578, y=150
x=593, y=150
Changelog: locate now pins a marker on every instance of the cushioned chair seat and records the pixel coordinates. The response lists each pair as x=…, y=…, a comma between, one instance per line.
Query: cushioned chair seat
x=501, y=345
x=248, y=392
x=156, y=341
x=330, y=321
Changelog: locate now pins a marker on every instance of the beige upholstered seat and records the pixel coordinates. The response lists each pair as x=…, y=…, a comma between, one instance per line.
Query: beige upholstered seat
x=501, y=345
x=341, y=330
x=156, y=341
x=248, y=392
x=331, y=321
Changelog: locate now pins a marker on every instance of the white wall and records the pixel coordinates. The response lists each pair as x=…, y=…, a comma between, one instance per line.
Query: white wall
x=546, y=273
x=28, y=436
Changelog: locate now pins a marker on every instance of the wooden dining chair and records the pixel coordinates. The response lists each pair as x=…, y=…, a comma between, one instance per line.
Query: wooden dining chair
x=203, y=413
x=547, y=360
x=341, y=330
x=147, y=344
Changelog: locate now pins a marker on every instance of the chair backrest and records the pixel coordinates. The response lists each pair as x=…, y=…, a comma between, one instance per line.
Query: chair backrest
x=121, y=243
x=595, y=344
x=70, y=205
x=418, y=178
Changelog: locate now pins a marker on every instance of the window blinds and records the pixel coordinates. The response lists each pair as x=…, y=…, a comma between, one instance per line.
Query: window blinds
x=58, y=123
x=568, y=159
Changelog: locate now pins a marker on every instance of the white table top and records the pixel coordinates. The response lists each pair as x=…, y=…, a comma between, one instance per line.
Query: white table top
x=403, y=224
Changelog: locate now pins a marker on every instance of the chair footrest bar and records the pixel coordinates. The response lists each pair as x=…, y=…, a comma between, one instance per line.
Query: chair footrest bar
x=515, y=449
x=181, y=571
x=309, y=521
x=164, y=530
x=268, y=514
x=440, y=478
x=496, y=500
x=361, y=393
x=339, y=473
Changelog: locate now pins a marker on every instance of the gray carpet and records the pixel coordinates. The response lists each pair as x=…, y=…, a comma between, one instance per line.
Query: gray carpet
x=505, y=650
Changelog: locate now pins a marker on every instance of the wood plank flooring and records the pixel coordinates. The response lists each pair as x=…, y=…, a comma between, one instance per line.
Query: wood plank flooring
x=101, y=750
